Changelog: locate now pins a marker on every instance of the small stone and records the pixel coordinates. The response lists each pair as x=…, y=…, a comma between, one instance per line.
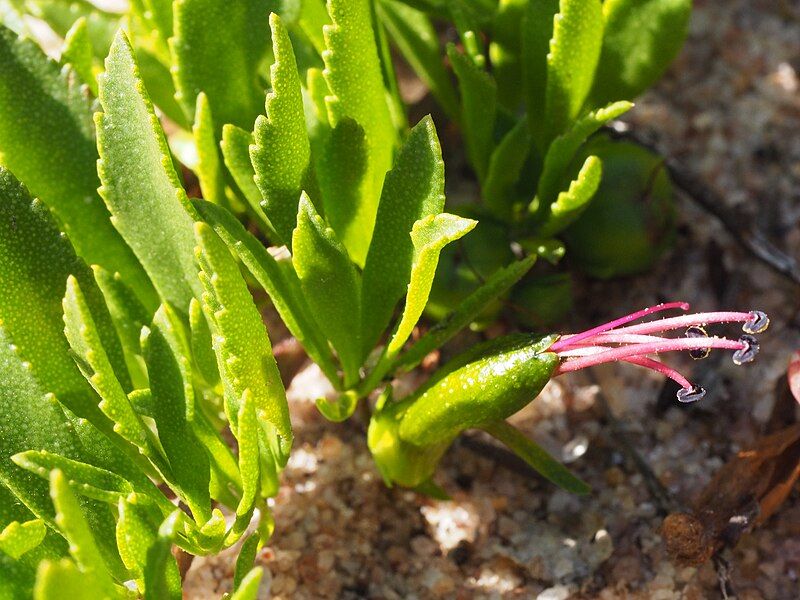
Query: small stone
x=558, y=592
x=423, y=546
x=437, y=582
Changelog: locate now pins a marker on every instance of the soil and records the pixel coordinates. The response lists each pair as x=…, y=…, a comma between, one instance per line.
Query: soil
x=728, y=109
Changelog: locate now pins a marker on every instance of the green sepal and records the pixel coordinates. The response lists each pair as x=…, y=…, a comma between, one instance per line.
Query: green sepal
x=483, y=390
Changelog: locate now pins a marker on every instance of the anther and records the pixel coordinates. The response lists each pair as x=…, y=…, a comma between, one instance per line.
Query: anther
x=692, y=394
x=696, y=331
x=757, y=323
x=748, y=352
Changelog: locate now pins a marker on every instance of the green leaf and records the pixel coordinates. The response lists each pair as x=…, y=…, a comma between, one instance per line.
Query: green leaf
x=413, y=189
x=249, y=457
x=74, y=526
x=498, y=284
x=353, y=73
x=18, y=538
x=61, y=16
x=241, y=342
x=217, y=49
x=466, y=23
x=159, y=580
x=505, y=51
x=571, y=63
x=429, y=235
x=140, y=185
x=248, y=588
x=137, y=532
x=281, y=284
x=641, y=39
x=84, y=479
x=338, y=409
x=245, y=560
x=78, y=53
x=209, y=167
x=312, y=19
x=537, y=31
x=17, y=575
x=481, y=391
x=173, y=411
x=37, y=260
x=63, y=579
x=342, y=165
x=417, y=40
x=564, y=147
x=570, y=204
x=331, y=284
x=94, y=362
x=536, y=457
x=203, y=355
x=505, y=169
x=282, y=151
x=46, y=121
x=478, y=109
x=128, y=316
x=235, y=146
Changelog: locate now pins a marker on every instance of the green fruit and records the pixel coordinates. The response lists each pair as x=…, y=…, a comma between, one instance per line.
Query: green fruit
x=631, y=220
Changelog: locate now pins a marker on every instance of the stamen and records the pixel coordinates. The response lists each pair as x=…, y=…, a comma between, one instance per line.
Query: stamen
x=640, y=350
x=565, y=341
x=695, y=331
x=692, y=394
x=660, y=367
x=612, y=337
x=748, y=352
x=673, y=323
x=757, y=323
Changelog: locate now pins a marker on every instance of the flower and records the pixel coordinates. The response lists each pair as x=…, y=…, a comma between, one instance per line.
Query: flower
x=619, y=341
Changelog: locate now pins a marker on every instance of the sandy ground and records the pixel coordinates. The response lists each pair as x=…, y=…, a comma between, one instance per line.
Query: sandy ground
x=730, y=109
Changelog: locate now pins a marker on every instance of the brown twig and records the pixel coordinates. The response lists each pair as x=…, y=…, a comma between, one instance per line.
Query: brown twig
x=749, y=236
x=665, y=501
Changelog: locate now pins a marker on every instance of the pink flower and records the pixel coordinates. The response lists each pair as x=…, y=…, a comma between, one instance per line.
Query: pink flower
x=618, y=341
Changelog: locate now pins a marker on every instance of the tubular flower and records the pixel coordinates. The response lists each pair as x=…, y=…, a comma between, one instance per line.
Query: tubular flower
x=618, y=340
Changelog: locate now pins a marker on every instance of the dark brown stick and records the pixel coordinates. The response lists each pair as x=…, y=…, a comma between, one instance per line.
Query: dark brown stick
x=750, y=237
